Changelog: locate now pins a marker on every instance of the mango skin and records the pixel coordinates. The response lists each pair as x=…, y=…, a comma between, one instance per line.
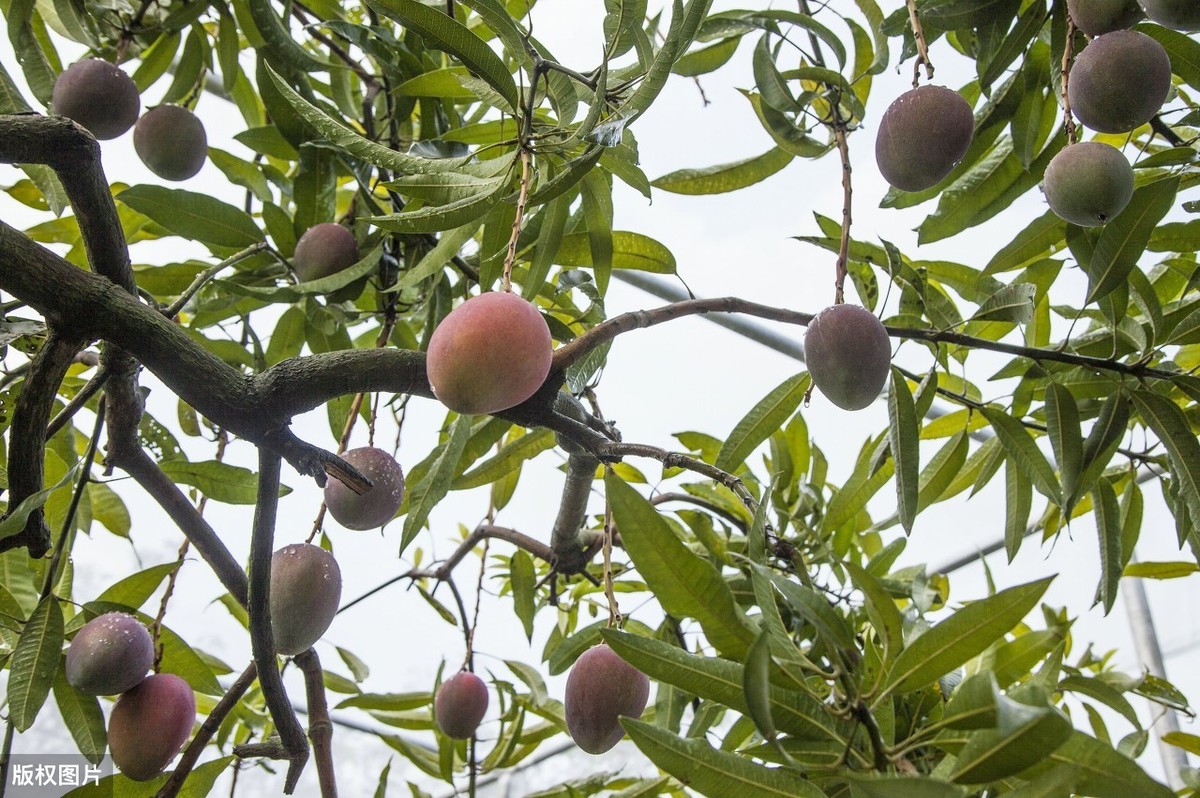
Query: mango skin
x=1088, y=183
x=922, y=135
x=306, y=586
x=1096, y=17
x=460, y=704
x=171, y=141
x=1119, y=81
x=601, y=688
x=97, y=95
x=111, y=654
x=1180, y=15
x=377, y=506
x=324, y=250
x=490, y=353
x=849, y=355
x=150, y=724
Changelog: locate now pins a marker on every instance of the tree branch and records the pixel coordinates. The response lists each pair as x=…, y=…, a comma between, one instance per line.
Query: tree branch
x=191, y=754
x=262, y=641
x=320, y=728
x=569, y=555
x=27, y=443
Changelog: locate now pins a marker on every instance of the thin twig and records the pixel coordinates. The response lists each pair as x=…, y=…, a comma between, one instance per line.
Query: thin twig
x=606, y=331
x=443, y=571
x=614, y=611
x=203, y=277
x=85, y=476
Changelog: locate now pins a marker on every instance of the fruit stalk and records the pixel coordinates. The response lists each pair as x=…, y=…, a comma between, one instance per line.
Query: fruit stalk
x=1068, y=54
x=511, y=256
x=922, y=45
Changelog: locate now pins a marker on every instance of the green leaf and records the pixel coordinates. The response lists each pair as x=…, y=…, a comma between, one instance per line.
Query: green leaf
x=218, y=481
x=725, y=177
x=722, y=681
x=109, y=509
x=1188, y=742
x=630, y=251
x=1011, y=303
x=14, y=521
x=178, y=657
x=1062, y=426
x=1043, y=236
x=38, y=73
x=881, y=609
x=1018, y=501
x=713, y=772
x=756, y=684
x=435, y=218
x=878, y=785
x=706, y=59
x=685, y=20
x=425, y=495
x=135, y=590
x=686, y=585
x=903, y=438
x=508, y=459
x=341, y=136
x=1102, y=441
x=1104, y=773
x=446, y=33
x=1161, y=570
x=1025, y=735
x=1124, y=239
x=1173, y=430
x=83, y=718
x=1023, y=451
x=766, y=417
x=523, y=584
x=199, y=217
x=34, y=663
x=963, y=635
x=1108, y=527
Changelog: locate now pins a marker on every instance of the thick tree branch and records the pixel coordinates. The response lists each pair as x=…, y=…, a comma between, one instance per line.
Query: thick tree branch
x=163, y=489
x=570, y=555
x=320, y=728
x=262, y=640
x=74, y=155
x=27, y=443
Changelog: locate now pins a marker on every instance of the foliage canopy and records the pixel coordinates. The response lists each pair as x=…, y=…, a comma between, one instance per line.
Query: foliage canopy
x=791, y=656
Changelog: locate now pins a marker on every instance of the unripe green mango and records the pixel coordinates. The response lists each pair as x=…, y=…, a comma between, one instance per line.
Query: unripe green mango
x=1088, y=183
x=171, y=141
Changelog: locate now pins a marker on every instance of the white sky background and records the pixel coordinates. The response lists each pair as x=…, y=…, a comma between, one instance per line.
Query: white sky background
x=686, y=375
